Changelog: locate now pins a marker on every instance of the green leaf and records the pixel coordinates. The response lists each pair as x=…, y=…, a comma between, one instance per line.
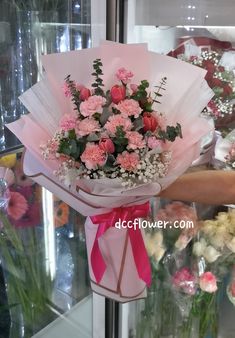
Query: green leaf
x=138, y=123
x=92, y=138
x=72, y=134
x=73, y=146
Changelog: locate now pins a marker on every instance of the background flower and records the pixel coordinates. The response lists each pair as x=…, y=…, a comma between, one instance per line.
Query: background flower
x=17, y=205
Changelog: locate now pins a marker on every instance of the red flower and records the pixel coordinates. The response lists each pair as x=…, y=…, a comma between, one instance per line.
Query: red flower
x=150, y=122
x=118, y=93
x=215, y=82
x=84, y=93
x=106, y=144
x=227, y=90
x=209, y=77
x=207, y=64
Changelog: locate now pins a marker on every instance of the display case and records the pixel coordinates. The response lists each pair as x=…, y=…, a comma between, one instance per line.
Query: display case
x=44, y=281
x=186, y=30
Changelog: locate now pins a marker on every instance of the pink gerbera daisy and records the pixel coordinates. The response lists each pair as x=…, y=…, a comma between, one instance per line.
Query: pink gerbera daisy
x=17, y=205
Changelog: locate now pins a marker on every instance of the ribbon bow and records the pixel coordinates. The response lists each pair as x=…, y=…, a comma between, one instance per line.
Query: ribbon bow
x=108, y=220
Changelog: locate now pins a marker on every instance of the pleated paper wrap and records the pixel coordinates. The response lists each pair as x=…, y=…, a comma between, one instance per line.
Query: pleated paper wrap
x=186, y=95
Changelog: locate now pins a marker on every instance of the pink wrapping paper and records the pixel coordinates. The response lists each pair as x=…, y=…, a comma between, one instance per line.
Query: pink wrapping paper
x=185, y=97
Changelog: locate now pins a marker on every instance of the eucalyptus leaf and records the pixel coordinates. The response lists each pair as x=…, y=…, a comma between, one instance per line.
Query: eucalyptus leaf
x=93, y=138
x=138, y=123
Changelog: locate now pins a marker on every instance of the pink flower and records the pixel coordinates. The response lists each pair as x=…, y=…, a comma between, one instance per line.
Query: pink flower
x=154, y=143
x=185, y=280
x=124, y=75
x=129, y=107
x=66, y=90
x=106, y=144
x=87, y=126
x=207, y=282
x=118, y=93
x=92, y=105
x=177, y=211
x=30, y=218
x=93, y=156
x=128, y=161
x=134, y=88
x=115, y=121
x=135, y=140
x=17, y=206
x=68, y=122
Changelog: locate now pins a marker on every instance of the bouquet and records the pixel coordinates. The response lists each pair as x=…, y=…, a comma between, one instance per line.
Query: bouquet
x=220, y=75
x=189, y=266
x=106, y=147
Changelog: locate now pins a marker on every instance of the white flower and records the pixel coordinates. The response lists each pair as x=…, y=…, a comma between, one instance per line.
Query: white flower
x=208, y=227
x=222, y=216
x=218, y=241
x=158, y=238
x=231, y=245
x=70, y=177
x=211, y=254
x=199, y=247
x=159, y=253
x=182, y=242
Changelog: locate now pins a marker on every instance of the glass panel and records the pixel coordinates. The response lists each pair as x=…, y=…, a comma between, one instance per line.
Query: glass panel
x=189, y=28
x=44, y=271
x=29, y=29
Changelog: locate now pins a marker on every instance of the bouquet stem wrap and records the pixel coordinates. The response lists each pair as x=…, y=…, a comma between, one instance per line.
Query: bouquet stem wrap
x=125, y=215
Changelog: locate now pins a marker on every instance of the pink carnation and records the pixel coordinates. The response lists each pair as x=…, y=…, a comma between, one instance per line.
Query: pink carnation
x=135, y=140
x=115, y=121
x=128, y=161
x=87, y=126
x=124, y=75
x=154, y=143
x=93, y=156
x=68, y=122
x=129, y=107
x=207, y=282
x=92, y=105
x=183, y=279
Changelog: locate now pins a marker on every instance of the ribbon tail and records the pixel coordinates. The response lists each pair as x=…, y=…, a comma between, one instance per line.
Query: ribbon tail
x=97, y=261
x=140, y=256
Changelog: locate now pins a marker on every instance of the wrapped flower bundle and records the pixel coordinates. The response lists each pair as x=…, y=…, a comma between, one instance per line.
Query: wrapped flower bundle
x=212, y=55
x=108, y=145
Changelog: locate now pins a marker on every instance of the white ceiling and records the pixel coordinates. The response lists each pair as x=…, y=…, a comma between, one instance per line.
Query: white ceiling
x=185, y=12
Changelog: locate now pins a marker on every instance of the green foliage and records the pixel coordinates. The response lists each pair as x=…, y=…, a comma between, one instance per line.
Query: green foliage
x=74, y=92
x=97, y=64
x=72, y=146
x=171, y=133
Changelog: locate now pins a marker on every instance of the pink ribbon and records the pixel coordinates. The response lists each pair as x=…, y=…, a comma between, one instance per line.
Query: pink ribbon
x=107, y=221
